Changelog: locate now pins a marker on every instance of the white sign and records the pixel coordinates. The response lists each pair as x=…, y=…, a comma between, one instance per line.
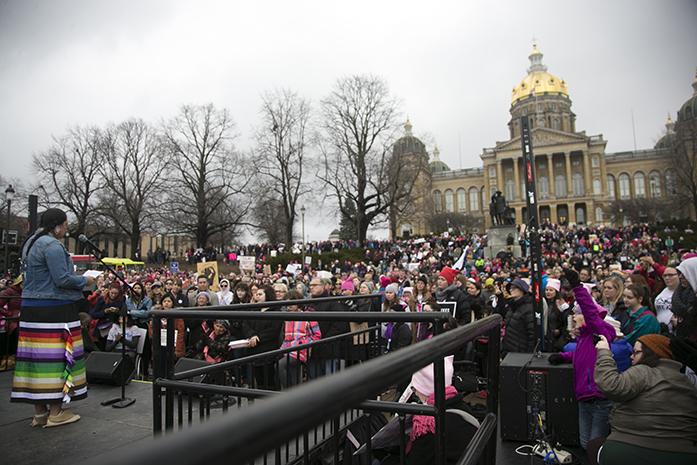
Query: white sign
x=247, y=262
x=308, y=260
x=292, y=268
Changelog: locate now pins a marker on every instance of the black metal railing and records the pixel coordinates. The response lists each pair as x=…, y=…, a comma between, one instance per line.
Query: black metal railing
x=252, y=433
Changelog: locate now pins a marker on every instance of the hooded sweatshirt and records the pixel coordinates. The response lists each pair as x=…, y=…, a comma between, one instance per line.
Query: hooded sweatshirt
x=583, y=358
x=684, y=301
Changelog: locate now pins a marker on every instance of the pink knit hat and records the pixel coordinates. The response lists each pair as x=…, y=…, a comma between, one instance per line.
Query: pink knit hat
x=554, y=284
x=348, y=285
x=422, y=380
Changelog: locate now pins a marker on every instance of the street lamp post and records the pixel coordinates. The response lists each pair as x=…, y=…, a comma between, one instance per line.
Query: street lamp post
x=302, y=216
x=9, y=194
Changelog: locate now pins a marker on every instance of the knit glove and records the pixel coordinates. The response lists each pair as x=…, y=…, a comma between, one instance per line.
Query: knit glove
x=572, y=277
x=685, y=351
x=555, y=359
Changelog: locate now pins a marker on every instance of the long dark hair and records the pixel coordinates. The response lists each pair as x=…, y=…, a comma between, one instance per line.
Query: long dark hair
x=49, y=220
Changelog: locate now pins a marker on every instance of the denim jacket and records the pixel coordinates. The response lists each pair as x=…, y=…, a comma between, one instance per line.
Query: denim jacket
x=48, y=272
x=140, y=311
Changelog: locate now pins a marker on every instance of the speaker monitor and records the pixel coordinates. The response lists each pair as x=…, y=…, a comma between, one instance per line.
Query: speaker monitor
x=531, y=386
x=109, y=368
x=185, y=364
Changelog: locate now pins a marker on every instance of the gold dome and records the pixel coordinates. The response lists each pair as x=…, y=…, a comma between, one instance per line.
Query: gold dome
x=538, y=80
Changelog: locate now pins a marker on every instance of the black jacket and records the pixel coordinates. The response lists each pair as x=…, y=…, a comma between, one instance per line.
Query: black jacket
x=335, y=349
x=401, y=337
x=520, y=326
x=453, y=293
x=269, y=333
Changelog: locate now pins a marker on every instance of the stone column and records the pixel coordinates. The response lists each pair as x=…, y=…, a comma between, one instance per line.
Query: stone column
x=569, y=185
x=572, y=212
x=550, y=175
x=516, y=177
x=499, y=176
x=587, y=174
x=553, y=213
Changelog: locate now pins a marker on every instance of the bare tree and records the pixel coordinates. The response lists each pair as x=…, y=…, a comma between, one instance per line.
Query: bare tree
x=134, y=168
x=69, y=175
x=359, y=121
x=205, y=195
x=683, y=156
x=270, y=219
x=279, y=156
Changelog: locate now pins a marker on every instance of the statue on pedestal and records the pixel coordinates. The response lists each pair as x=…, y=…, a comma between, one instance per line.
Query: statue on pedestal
x=497, y=209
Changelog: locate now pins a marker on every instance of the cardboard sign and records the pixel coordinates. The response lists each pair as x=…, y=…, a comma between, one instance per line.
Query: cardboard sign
x=174, y=267
x=308, y=260
x=210, y=271
x=247, y=262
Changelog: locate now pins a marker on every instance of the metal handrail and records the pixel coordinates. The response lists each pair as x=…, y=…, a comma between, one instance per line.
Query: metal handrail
x=272, y=353
x=251, y=432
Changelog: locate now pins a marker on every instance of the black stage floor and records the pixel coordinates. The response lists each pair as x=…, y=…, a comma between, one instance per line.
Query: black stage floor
x=101, y=430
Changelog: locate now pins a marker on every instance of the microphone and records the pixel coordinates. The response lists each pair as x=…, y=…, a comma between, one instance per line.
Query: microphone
x=85, y=240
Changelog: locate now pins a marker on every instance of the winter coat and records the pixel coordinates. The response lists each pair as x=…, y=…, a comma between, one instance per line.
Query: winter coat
x=583, y=358
x=520, y=333
x=331, y=350
x=640, y=322
x=10, y=307
x=453, y=293
x=269, y=333
x=655, y=407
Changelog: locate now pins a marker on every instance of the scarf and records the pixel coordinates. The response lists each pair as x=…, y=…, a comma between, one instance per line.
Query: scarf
x=422, y=425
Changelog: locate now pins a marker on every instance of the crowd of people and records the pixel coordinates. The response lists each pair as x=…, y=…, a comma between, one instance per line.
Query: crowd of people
x=619, y=304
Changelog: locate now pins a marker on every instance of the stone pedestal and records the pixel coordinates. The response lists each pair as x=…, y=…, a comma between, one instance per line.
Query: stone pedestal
x=497, y=237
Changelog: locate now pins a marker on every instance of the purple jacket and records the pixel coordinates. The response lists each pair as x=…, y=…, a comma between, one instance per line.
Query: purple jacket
x=584, y=356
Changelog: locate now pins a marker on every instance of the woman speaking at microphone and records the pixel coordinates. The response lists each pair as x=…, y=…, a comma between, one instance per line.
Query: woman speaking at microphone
x=50, y=370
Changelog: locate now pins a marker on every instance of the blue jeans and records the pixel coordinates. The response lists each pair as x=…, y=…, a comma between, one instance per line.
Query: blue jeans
x=593, y=419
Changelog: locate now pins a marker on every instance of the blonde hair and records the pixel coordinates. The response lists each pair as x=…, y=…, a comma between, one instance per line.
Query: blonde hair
x=619, y=284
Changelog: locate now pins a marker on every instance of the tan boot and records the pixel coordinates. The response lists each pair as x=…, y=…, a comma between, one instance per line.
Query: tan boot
x=39, y=420
x=11, y=362
x=63, y=418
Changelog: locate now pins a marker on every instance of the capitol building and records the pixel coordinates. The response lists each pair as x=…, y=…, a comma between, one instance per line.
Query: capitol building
x=577, y=180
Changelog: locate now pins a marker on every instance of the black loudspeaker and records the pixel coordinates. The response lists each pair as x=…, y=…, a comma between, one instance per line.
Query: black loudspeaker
x=109, y=368
x=531, y=386
x=185, y=364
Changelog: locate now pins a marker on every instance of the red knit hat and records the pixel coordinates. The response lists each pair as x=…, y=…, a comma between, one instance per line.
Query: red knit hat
x=659, y=345
x=449, y=274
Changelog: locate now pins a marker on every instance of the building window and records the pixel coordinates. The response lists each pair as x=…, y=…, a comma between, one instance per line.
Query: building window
x=655, y=184
x=492, y=171
x=544, y=187
x=474, y=199
x=624, y=186
x=580, y=215
x=611, y=187
x=639, y=185
x=560, y=185
x=671, y=182
x=437, y=200
x=595, y=161
x=449, y=201
x=599, y=214
x=510, y=190
x=577, y=182
x=597, y=187
x=461, y=200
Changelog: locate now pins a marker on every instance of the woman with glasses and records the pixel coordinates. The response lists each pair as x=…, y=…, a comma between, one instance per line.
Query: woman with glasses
x=654, y=419
x=664, y=300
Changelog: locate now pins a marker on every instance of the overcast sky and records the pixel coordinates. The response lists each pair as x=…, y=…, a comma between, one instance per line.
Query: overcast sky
x=452, y=64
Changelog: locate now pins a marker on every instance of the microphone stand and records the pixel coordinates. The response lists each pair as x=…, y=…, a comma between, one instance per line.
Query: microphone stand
x=123, y=401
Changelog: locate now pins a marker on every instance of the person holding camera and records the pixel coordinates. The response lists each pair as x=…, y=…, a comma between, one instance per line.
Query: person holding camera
x=593, y=406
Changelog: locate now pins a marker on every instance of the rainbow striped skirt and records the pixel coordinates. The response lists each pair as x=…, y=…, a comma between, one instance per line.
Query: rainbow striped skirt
x=50, y=357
